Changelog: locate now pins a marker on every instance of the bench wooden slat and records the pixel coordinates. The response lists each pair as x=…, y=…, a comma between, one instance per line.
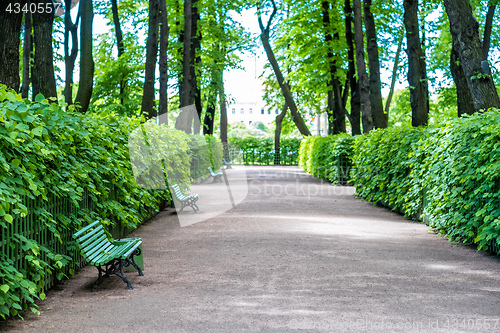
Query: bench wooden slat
x=93, y=241
x=102, y=245
x=96, y=231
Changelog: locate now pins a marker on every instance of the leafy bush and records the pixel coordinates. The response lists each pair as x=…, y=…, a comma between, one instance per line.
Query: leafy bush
x=200, y=156
x=462, y=174
x=215, y=150
x=261, y=150
x=454, y=167
x=322, y=156
x=388, y=163
x=50, y=155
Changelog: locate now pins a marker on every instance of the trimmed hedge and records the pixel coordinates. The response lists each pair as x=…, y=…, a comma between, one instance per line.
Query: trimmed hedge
x=50, y=157
x=261, y=150
x=327, y=157
x=454, y=167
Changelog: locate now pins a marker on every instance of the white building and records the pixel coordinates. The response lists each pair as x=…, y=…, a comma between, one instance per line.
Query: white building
x=249, y=112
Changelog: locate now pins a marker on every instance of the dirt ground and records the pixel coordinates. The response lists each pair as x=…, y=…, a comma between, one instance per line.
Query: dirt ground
x=297, y=255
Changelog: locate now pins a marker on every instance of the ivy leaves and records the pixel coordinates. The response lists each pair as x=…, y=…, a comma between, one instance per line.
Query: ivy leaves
x=456, y=164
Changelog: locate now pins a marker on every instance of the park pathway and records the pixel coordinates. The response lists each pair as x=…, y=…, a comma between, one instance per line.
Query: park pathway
x=297, y=255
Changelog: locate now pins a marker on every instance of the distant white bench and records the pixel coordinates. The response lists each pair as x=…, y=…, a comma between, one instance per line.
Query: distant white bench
x=185, y=200
x=217, y=176
x=227, y=164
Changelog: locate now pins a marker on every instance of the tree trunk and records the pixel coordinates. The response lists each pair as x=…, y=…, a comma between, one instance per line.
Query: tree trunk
x=380, y=119
x=164, y=32
x=186, y=96
x=27, y=48
x=119, y=43
x=487, y=30
x=223, y=115
x=148, y=96
x=208, y=122
x=364, y=88
x=195, y=60
x=465, y=33
x=417, y=76
x=10, y=26
x=70, y=58
x=86, y=61
x=285, y=89
x=394, y=73
x=465, y=104
x=43, y=79
x=354, y=116
x=336, y=110
x=277, y=135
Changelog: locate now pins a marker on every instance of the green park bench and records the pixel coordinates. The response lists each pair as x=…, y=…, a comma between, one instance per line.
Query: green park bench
x=227, y=164
x=109, y=257
x=185, y=200
x=217, y=176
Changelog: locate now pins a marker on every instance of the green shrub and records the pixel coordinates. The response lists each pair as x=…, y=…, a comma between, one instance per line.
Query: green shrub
x=388, y=163
x=200, y=156
x=50, y=155
x=322, y=156
x=462, y=174
x=261, y=150
x=455, y=166
x=215, y=150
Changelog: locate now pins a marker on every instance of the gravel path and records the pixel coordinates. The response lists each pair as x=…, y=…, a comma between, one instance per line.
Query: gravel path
x=297, y=255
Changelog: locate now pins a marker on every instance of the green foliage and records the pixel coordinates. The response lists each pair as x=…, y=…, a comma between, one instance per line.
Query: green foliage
x=261, y=150
x=200, y=156
x=215, y=149
x=321, y=155
x=463, y=179
x=455, y=166
x=48, y=154
x=387, y=167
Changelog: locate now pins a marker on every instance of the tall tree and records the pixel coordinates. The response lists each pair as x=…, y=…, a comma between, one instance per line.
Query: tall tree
x=336, y=107
x=86, y=84
x=364, y=88
x=119, y=43
x=394, y=73
x=70, y=57
x=465, y=34
x=164, y=32
x=487, y=29
x=465, y=104
x=10, y=26
x=195, y=60
x=380, y=119
x=277, y=134
x=417, y=76
x=354, y=115
x=148, y=97
x=27, y=48
x=43, y=78
x=285, y=89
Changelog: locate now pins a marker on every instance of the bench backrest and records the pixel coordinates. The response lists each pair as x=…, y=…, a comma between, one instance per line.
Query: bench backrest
x=178, y=193
x=92, y=239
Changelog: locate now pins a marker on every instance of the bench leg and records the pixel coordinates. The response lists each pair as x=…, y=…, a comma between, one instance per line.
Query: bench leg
x=136, y=253
x=121, y=274
x=99, y=279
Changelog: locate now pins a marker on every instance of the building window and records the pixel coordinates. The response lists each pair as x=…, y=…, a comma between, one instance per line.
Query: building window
x=249, y=122
x=277, y=111
x=262, y=111
x=268, y=111
x=242, y=111
x=250, y=110
x=233, y=111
